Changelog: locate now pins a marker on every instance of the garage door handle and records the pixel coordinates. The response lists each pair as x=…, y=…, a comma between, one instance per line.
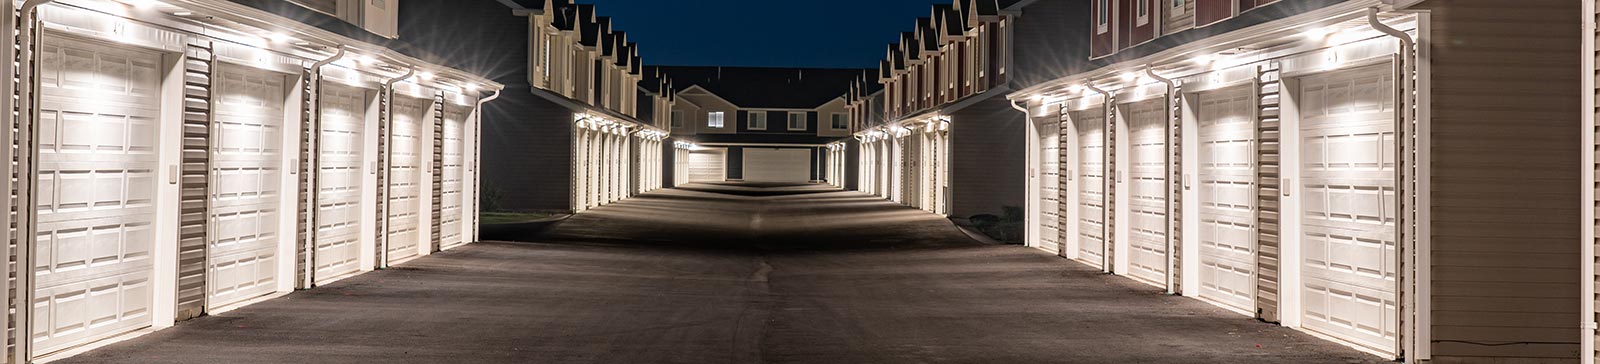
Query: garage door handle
x=294, y=166
x=172, y=176
x=1286, y=185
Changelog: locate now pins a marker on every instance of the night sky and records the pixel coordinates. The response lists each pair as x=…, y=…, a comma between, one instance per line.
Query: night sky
x=766, y=33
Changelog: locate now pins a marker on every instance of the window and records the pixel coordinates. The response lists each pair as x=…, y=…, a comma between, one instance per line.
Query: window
x=758, y=120
x=1177, y=8
x=840, y=122
x=677, y=119
x=714, y=119
x=544, y=59
x=797, y=121
x=1102, y=16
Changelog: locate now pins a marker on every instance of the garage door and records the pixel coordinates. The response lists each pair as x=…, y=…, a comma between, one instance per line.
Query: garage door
x=1091, y=125
x=1347, y=165
x=405, y=177
x=246, y=165
x=1049, y=183
x=1227, y=196
x=339, y=158
x=455, y=122
x=777, y=165
x=1147, y=179
x=708, y=165
x=96, y=189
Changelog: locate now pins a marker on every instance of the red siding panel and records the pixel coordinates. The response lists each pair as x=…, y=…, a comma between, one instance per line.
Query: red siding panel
x=1123, y=23
x=1141, y=19
x=1102, y=29
x=1207, y=12
x=1252, y=4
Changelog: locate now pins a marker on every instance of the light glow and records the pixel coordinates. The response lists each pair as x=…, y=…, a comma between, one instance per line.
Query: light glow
x=280, y=38
x=425, y=76
x=1318, y=33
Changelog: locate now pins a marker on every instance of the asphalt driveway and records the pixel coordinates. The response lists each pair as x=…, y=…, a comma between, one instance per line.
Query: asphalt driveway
x=733, y=274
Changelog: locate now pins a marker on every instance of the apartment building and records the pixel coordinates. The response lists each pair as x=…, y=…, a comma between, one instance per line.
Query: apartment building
x=946, y=129
x=757, y=124
x=1393, y=175
x=586, y=134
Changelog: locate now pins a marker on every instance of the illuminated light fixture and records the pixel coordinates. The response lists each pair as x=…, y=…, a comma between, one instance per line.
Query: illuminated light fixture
x=1205, y=59
x=1038, y=98
x=1130, y=76
x=280, y=38
x=182, y=13
x=425, y=76
x=1076, y=89
x=1318, y=33
x=364, y=60
x=471, y=87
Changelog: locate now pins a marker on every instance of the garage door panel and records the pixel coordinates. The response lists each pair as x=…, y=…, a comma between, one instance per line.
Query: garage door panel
x=1147, y=241
x=454, y=158
x=1227, y=196
x=1349, y=209
x=339, y=177
x=96, y=186
x=1091, y=186
x=246, y=172
x=405, y=177
x=708, y=165
x=777, y=165
x=1050, y=183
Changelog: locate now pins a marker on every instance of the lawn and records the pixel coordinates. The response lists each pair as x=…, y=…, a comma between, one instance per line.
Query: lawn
x=496, y=218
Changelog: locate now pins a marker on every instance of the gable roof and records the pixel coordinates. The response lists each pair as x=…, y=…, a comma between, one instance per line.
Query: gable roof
x=763, y=87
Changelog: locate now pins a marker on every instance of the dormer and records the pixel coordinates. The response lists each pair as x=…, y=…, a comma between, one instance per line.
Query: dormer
x=607, y=42
x=909, y=48
x=563, y=14
x=963, y=9
x=635, y=64
x=927, y=37
x=885, y=72
x=589, y=27
x=983, y=11
x=611, y=45
x=947, y=22
x=897, y=61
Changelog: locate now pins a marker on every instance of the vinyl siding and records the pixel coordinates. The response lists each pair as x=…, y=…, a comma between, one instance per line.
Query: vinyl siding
x=195, y=190
x=1269, y=149
x=527, y=152
x=986, y=170
x=1503, y=201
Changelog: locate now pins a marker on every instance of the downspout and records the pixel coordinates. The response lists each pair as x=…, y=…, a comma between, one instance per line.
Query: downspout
x=1171, y=248
x=1106, y=176
x=29, y=174
x=1404, y=87
x=314, y=164
x=1586, y=323
x=477, y=166
x=388, y=162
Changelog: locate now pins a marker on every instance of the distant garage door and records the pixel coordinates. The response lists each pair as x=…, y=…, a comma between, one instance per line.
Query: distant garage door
x=97, y=191
x=1348, y=242
x=777, y=165
x=340, y=152
x=708, y=165
x=247, y=160
x=1091, y=125
x=405, y=178
x=1147, y=243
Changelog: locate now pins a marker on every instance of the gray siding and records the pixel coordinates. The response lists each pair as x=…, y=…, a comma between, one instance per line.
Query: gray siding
x=1504, y=198
x=527, y=153
x=986, y=161
x=195, y=191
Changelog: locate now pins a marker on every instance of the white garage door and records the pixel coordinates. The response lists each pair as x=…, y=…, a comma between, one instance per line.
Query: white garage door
x=339, y=158
x=405, y=177
x=1147, y=240
x=246, y=166
x=1347, y=165
x=708, y=165
x=97, y=182
x=1227, y=196
x=455, y=122
x=1091, y=127
x=1049, y=183
x=777, y=165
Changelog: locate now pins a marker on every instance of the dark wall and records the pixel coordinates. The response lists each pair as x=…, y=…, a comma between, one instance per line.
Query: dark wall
x=852, y=166
x=777, y=123
x=735, y=163
x=986, y=158
x=669, y=163
x=527, y=153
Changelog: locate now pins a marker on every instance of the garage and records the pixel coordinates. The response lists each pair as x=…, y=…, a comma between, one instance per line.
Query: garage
x=407, y=149
x=777, y=165
x=98, y=144
x=1147, y=205
x=1227, y=213
x=708, y=165
x=1049, y=182
x=454, y=147
x=1348, y=218
x=1091, y=126
x=247, y=169
x=341, y=147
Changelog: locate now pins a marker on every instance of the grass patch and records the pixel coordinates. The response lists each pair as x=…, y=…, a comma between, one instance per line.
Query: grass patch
x=497, y=218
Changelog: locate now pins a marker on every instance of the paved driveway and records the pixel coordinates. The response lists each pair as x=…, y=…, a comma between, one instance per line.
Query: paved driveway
x=733, y=274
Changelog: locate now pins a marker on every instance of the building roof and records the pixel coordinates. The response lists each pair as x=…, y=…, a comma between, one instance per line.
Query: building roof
x=763, y=87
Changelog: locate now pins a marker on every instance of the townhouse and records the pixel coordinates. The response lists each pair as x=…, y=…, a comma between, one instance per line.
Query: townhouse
x=757, y=124
x=1394, y=175
x=589, y=134
x=944, y=119
x=184, y=157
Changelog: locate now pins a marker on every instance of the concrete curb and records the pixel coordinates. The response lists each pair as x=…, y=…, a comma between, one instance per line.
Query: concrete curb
x=974, y=235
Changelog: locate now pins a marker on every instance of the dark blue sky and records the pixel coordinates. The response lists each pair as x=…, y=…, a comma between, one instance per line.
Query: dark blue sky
x=771, y=33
